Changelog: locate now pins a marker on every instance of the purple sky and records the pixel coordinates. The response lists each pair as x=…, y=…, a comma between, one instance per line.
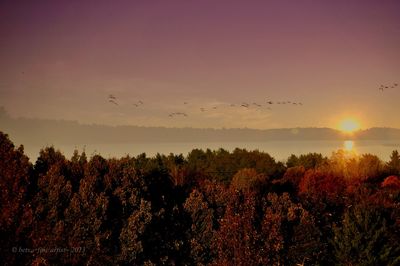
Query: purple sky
x=61, y=60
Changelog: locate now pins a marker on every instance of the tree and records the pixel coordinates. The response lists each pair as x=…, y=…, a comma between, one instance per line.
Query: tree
x=364, y=238
x=308, y=161
x=164, y=242
x=292, y=178
x=87, y=217
x=53, y=197
x=289, y=233
x=394, y=163
x=237, y=242
x=16, y=186
x=76, y=168
x=248, y=179
x=202, y=228
x=268, y=231
x=321, y=188
x=370, y=167
x=132, y=235
x=392, y=182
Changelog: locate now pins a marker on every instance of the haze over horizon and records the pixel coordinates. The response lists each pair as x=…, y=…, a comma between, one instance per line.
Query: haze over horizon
x=62, y=60
x=22, y=121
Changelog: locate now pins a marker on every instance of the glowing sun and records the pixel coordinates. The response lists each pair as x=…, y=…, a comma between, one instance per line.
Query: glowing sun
x=349, y=125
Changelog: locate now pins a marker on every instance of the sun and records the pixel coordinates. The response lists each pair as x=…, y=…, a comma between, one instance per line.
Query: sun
x=349, y=125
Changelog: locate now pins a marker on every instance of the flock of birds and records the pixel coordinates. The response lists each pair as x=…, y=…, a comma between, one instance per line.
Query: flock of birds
x=383, y=87
x=113, y=100
x=177, y=113
x=268, y=102
x=247, y=105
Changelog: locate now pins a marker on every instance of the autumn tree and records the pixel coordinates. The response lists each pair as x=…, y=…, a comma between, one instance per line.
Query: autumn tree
x=290, y=235
x=392, y=182
x=322, y=188
x=370, y=167
x=291, y=179
x=76, y=167
x=132, y=235
x=202, y=227
x=53, y=197
x=271, y=230
x=249, y=179
x=17, y=187
x=163, y=238
x=323, y=195
x=237, y=241
x=87, y=216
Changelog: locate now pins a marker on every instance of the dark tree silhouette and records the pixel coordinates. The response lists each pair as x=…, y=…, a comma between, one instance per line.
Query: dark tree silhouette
x=16, y=187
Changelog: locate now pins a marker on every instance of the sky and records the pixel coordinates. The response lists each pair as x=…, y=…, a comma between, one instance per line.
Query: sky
x=62, y=60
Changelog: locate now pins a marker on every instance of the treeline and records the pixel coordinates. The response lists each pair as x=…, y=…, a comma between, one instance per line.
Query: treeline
x=208, y=208
x=39, y=132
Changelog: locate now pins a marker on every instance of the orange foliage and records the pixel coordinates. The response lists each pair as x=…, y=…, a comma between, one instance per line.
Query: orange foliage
x=318, y=185
x=392, y=182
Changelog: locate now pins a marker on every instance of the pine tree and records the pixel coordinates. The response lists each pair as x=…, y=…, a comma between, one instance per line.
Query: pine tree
x=364, y=238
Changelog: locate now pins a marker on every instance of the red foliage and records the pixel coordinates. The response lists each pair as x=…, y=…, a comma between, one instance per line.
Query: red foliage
x=392, y=182
x=318, y=186
x=292, y=176
x=237, y=240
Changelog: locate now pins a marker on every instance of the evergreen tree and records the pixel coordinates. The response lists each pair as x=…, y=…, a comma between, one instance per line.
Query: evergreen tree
x=364, y=238
x=394, y=163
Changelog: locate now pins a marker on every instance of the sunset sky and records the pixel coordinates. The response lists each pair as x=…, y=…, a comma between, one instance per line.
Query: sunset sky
x=62, y=59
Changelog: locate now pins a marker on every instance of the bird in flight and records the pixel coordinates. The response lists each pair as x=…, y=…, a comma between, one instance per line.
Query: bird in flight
x=383, y=87
x=112, y=101
x=177, y=113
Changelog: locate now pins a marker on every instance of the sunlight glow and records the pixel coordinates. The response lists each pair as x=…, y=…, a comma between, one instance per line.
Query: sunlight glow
x=348, y=145
x=349, y=125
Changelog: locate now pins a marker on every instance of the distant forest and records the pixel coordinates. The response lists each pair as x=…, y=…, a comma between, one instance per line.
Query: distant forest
x=208, y=208
x=41, y=132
